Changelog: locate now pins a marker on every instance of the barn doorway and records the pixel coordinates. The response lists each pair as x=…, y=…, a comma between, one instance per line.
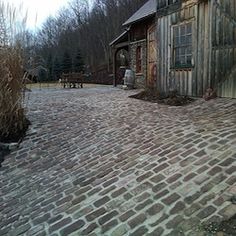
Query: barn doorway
x=122, y=63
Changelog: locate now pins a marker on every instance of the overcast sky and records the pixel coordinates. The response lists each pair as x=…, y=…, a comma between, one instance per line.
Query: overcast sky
x=39, y=9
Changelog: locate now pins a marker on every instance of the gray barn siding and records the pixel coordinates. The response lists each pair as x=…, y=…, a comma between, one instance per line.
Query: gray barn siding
x=223, y=76
x=192, y=82
x=214, y=49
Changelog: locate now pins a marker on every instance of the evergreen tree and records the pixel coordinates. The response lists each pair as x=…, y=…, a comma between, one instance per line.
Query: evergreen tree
x=50, y=67
x=43, y=75
x=66, y=63
x=78, y=62
x=56, y=69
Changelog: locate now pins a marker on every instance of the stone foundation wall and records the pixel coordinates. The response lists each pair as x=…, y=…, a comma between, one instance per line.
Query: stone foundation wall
x=140, y=78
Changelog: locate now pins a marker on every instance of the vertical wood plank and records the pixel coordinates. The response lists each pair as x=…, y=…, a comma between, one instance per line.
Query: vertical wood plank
x=195, y=46
x=190, y=84
x=206, y=50
x=200, y=49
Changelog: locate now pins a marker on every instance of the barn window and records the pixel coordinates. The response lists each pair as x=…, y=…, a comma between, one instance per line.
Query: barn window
x=182, y=49
x=139, y=59
x=166, y=3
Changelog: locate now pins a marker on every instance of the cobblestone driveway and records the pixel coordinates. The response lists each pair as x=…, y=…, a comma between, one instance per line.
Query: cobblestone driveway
x=96, y=162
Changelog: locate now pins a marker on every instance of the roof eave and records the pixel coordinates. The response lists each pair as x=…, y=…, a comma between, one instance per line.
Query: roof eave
x=118, y=38
x=138, y=20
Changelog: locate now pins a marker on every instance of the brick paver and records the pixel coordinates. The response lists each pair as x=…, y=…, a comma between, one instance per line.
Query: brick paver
x=96, y=162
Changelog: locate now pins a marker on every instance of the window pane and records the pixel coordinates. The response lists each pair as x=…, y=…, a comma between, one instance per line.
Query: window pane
x=189, y=39
x=189, y=60
x=176, y=31
x=182, y=51
x=162, y=3
x=139, y=59
x=177, y=41
x=177, y=51
x=182, y=30
x=182, y=60
x=189, y=50
x=189, y=28
x=183, y=39
x=177, y=60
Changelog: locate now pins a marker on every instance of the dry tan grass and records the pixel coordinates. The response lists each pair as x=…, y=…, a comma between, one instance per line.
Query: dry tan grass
x=12, y=115
x=12, y=118
x=56, y=85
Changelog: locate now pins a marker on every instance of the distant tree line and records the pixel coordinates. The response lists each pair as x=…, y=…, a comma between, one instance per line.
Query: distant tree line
x=78, y=38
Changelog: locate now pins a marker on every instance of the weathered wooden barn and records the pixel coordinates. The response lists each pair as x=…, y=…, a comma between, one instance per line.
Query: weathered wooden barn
x=187, y=45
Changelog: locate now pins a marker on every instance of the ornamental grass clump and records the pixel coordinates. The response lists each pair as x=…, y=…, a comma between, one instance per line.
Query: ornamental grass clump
x=12, y=114
x=13, y=122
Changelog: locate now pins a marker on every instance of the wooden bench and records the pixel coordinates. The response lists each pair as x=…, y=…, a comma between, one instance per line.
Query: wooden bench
x=72, y=80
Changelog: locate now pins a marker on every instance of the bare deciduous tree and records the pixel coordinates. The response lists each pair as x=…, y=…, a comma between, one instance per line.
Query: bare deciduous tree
x=89, y=30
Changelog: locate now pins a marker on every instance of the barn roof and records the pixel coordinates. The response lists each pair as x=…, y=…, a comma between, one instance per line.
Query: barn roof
x=148, y=9
x=121, y=37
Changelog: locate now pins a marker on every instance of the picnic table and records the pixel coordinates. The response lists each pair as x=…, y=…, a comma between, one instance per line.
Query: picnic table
x=72, y=80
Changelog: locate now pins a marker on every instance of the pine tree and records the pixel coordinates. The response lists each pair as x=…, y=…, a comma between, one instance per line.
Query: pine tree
x=66, y=63
x=78, y=62
x=56, y=69
x=50, y=67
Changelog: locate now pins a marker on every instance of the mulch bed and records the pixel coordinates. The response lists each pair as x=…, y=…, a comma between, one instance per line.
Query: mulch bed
x=17, y=135
x=13, y=137
x=226, y=228
x=3, y=153
x=173, y=99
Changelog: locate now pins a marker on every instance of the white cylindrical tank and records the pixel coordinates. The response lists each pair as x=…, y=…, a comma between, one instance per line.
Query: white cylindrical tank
x=129, y=78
